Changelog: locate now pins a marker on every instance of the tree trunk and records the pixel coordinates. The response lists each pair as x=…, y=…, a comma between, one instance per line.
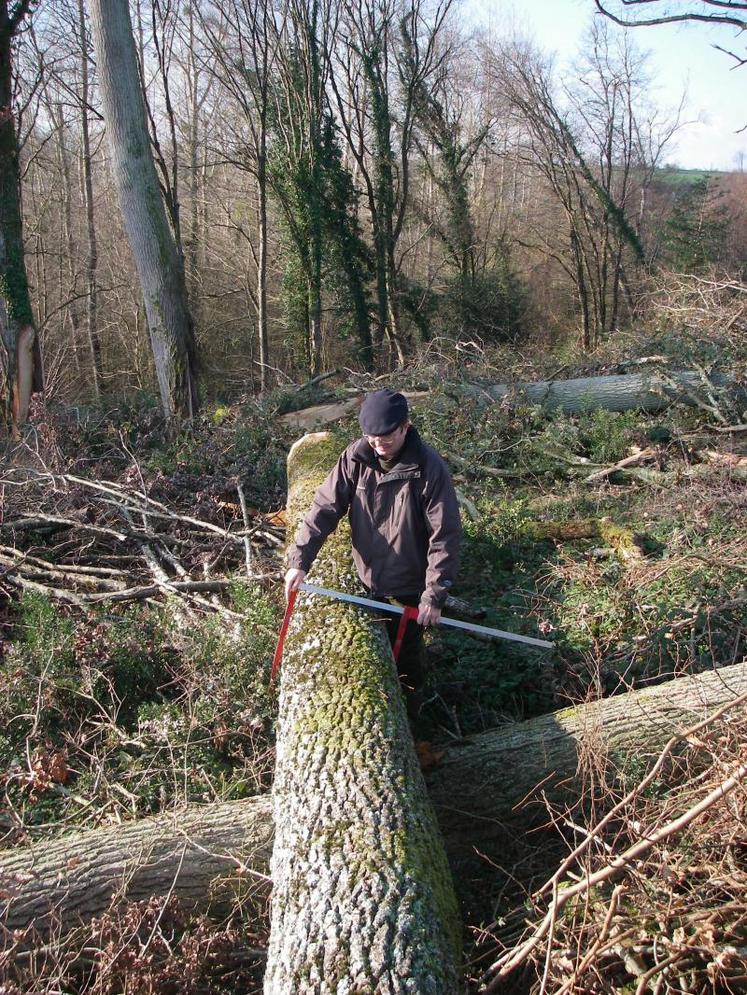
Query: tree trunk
x=625, y=392
x=20, y=355
x=478, y=785
x=92, y=254
x=262, y=256
x=362, y=893
x=56, y=113
x=474, y=791
x=203, y=856
x=159, y=265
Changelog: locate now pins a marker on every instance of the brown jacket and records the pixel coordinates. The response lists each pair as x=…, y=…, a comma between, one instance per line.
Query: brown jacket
x=405, y=522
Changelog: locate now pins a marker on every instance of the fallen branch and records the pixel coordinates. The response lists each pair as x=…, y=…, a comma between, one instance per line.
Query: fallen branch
x=728, y=428
x=512, y=959
x=635, y=460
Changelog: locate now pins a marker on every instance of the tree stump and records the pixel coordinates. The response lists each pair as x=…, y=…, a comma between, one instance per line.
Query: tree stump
x=363, y=900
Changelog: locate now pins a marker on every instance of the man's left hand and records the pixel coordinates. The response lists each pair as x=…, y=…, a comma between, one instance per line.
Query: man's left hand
x=428, y=615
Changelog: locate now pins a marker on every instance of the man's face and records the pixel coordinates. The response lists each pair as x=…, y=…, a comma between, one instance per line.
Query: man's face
x=388, y=446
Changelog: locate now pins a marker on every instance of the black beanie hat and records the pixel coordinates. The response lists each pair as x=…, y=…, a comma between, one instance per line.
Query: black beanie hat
x=382, y=412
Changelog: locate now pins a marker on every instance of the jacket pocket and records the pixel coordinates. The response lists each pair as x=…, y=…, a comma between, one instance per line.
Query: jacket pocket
x=400, y=506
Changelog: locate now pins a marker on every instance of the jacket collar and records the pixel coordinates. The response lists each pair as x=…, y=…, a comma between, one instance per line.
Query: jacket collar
x=410, y=456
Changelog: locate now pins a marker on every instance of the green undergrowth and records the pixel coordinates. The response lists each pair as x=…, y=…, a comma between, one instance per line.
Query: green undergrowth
x=125, y=713
x=621, y=614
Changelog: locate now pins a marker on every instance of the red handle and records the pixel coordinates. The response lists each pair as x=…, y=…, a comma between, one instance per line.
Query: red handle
x=281, y=638
x=410, y=614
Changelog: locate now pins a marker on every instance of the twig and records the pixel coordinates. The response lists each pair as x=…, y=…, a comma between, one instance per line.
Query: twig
x=245, y=516
x=489, y=471
x=43, y=521
x=635, y=460
x=138, y=593
x=510, y=961
x=320, y=378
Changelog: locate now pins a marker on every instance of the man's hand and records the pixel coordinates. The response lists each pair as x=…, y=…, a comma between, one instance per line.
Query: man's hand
x=428, y=615
x=293, y=580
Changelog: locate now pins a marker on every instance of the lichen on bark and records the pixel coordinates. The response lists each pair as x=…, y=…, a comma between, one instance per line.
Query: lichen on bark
x=363, y=900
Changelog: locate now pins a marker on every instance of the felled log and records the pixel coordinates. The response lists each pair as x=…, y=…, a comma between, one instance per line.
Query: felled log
x=644, y=391
x=203, y=854
x=362, y=893
x=626, y=544
x=478, y=785
x=624, y=392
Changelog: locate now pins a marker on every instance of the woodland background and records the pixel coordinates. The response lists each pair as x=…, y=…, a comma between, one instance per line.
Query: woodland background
x=347, y=183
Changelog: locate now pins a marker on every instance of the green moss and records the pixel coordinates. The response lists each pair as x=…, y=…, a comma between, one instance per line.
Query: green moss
x=622, y=540
x=313, y=455
x=415, y=853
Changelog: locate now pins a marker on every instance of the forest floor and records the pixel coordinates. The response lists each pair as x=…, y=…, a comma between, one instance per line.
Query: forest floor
x=140, y=599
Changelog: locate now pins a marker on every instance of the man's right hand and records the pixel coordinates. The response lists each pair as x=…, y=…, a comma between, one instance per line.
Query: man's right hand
x=293, y=580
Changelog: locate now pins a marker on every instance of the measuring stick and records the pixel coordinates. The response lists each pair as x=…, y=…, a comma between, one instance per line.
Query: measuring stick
x=408, y=614
x=483, y=630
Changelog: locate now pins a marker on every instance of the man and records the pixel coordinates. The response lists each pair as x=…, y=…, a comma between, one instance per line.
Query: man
x=404, y=520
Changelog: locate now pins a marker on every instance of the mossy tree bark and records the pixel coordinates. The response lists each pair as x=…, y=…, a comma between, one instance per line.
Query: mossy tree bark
x=205, y=852
x=159, y=264
x=363, y=899
x=20, y=355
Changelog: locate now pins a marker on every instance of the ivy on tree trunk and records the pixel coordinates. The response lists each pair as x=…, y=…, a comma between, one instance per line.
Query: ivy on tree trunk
x=20, y=355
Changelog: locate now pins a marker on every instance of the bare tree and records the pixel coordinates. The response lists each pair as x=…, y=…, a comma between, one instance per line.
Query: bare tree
x=587, y=153
x=448, y=152
x=64, y=50
x=387, y=52
x=242, y=39
x=20, y=355
x=159, y=264
x=86, y=159
x=644, y=13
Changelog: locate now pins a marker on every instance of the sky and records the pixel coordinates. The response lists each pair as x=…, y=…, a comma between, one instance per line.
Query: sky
x=682, y=59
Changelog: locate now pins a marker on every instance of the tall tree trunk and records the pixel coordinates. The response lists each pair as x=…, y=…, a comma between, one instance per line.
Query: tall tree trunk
x=92, y=254
x=262, y=332
x=192, y=85
x=20, y=354
x=159, y=264
x=362, y=893
x=56, y=113
x=315, y=312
